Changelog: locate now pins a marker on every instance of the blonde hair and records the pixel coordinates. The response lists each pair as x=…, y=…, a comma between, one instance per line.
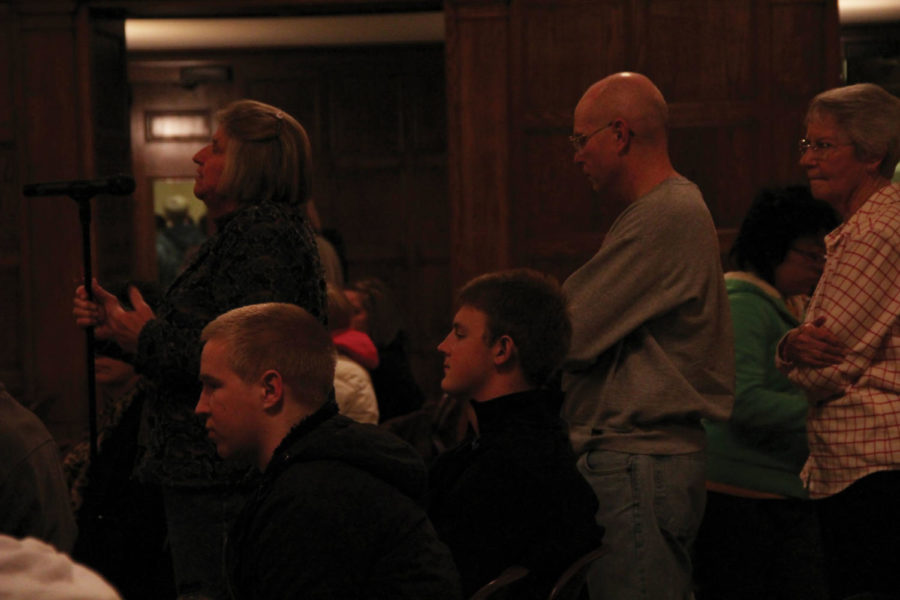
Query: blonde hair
x=268, y=157
x=278, y=336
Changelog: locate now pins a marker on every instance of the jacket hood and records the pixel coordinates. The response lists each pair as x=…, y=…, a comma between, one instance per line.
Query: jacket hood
x=744, y=282
x=327, y=436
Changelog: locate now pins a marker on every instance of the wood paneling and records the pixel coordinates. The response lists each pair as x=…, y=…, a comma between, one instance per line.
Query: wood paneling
x=551, y=57
x=698, y=51
x=737, y=76
x=104, y=69
x=478, y=144
x=52, y=147
x=59, y=100
x=12, y=322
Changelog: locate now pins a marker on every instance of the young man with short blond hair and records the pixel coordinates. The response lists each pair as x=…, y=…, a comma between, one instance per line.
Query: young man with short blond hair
x=336, y=514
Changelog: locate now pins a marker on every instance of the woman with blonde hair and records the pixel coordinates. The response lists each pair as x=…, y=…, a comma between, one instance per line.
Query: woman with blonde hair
x=254, y=177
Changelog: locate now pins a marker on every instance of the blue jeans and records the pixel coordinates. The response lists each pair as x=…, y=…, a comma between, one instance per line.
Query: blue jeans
x=651, y=507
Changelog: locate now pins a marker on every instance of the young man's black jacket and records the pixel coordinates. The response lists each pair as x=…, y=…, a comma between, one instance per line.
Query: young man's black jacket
x=337, y=517
x=513, y=496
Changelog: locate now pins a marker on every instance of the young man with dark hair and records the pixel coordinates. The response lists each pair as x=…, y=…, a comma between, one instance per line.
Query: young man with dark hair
x=337, y=512
x=511, y=496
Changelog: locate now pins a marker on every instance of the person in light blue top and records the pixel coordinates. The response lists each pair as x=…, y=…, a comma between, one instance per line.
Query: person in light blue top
x=759, y=537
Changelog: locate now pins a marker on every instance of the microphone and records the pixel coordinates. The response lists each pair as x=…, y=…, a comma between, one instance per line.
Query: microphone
x=116, y=185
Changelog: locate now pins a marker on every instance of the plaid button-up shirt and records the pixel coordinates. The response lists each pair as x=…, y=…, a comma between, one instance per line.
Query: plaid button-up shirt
x=854, y=416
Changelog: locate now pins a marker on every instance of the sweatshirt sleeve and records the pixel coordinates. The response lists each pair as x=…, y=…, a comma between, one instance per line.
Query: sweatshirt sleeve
x=644, y=269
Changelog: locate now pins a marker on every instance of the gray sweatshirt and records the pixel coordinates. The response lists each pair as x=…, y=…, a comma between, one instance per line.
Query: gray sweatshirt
x=652, y=348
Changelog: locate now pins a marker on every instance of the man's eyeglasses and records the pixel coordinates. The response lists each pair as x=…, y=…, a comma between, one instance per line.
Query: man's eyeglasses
x=818, y=149
x=580, y=140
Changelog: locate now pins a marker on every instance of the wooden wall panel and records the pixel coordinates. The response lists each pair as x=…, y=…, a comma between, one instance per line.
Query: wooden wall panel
x=12, y=321
x=549, y=51
x=721, y=160
x=52, y=149
x=12, y=372
x=737, y=76
x=804, y=63
x=51, y=129
x=105, y=70
x=7, y=88
x=366, y=121
x=428, y=117
x=697, y=50
x=12, y=331
x=479, y=145
x=367, y=207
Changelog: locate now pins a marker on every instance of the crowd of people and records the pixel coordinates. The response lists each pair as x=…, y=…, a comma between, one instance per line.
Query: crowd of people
x=717, y=434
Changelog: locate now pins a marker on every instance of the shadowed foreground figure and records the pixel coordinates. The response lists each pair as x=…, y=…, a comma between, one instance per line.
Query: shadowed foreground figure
x=34, y=501
x=337, y=513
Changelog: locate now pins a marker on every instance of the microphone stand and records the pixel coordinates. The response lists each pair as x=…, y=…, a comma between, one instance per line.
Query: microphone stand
x=82, y=192
x=83, y=199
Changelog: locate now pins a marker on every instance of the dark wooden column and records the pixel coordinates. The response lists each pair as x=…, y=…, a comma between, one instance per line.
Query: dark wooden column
x=66, y=72
x=13, y=330
x=478, y=92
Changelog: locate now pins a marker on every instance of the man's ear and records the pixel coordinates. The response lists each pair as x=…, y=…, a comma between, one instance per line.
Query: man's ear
x=623, y=135
x=272, y=388
x=504, y=349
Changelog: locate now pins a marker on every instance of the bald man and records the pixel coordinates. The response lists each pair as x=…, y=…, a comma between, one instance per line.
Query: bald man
x=652, y=350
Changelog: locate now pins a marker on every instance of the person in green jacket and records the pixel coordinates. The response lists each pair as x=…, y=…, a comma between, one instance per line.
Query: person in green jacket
x=759, y=537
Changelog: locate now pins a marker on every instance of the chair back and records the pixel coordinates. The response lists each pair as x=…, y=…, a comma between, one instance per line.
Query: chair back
x=571, y=583
x=499, y=588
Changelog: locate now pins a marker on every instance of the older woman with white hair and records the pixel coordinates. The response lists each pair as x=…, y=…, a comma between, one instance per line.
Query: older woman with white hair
x=254, y=178
x=846, y=354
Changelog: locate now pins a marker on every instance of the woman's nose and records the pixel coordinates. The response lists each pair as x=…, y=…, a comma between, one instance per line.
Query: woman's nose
x=807, y=159
x=201, y=154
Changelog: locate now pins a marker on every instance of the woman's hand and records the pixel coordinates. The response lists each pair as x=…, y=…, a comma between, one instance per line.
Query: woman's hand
x=813, y=345
x=109, y=318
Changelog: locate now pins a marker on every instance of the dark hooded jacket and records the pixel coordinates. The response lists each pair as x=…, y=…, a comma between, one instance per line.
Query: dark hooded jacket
x=337, y=516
